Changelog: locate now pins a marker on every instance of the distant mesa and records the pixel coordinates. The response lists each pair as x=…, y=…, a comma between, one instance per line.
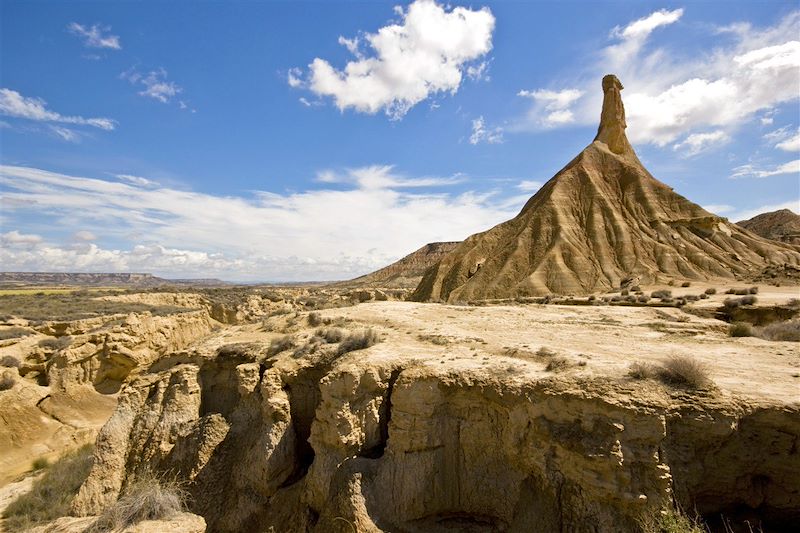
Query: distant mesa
x=782, y=225
x=98, y=279
x=600, y=220
x=406, y=272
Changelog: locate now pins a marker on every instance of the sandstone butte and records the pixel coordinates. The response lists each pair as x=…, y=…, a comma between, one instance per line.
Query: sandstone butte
x=601, y=220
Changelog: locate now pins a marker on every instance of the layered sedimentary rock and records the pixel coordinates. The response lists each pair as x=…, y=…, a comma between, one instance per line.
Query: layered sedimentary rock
x=601, y=220
x=408, y=271
x=375, y=444
x=782, y=225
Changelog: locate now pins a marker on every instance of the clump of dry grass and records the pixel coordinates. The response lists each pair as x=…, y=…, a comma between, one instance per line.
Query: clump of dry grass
x=358, y=340
x=149, y=497
x=677, y=370
x=557, y=363
x=788, y=330
x=684, y=370
x=9, y=361
x=52, y=494
x=661, y=295
x=14, y=332
x=736, y=302
x=740, y=329
x=280, y=344
x=544, y=351
x=314, y=319
x=330, y=335
x=7, y=380
x=55, y=343
x=710, y=291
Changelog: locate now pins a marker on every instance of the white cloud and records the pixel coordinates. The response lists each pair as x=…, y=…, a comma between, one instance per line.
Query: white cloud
x=529, y=185
x=13, y=104
x=314, y=234
x=136, y=180
x=551, y=108
x=749, y=71
x=66, y=133
x=747, y=214
x=792, y=144
x=84, y=235
x=479, y=72
x=15, y=238
x=425, y=54
x=701, y=142
x=718, y=208
x=640, y=29
x=295, y=77
x=95, y=36
x=751, y=171
x=480, y=133
x=155, y=83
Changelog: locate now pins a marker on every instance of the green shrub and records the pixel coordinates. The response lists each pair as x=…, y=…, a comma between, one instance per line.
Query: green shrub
x=51, y=495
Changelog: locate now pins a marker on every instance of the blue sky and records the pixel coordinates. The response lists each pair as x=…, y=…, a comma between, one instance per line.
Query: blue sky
x=321, y=140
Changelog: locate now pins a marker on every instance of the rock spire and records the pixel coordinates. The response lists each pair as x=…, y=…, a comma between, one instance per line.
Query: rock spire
x=612, y=119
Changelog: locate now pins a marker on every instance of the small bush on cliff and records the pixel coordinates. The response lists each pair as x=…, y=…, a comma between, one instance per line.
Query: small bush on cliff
x=148, y=498
x=687, y=371
x=280, y=344
x=740, y=329
x=672, y=521
x=51, y=494
x=358, y=340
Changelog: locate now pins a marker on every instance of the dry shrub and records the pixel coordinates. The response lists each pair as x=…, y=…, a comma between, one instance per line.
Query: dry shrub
x=330, y=335
x=671, y=521
x=52, y=494
x=686, y=284
x=662, y=294
x=148, y=498
x=280, y=344
x=9, y=361
x=711, y=291
x=736, y=302
x=358, y=340
x=7, y=381
x=557, y=364
x=753, y=290
x=314, y=319
x=55, y=343
x=788, y=330
x=684, y=370
x=740, y=329
x=14, y=332
x=544, y=351
x=640, y=370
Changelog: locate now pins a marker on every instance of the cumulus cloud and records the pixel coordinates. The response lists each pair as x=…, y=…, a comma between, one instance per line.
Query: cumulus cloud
x=155, y=85
x=13, y=104
x=426, y=53
x=697, y=143
x=95, y=36
x=84, y=235
x=751, y=71
x=551, y=108
x=529, y=185
x=790, y=143
x=325, y=233
x=752, y=171
x=483, y=134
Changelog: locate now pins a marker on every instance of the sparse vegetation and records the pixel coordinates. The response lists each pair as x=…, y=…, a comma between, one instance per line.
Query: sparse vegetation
x=662, y=294
x=686, y=284
x=672, y=521
x=736, y=302
x=149, y=497
x=74, y=306
x=557, y=364
x=544, y=351
x=788, y=330
x=710, y=291
x=55, y=343
x=753, y=290
x=51, y=495
x=280, y=344
x=41, y=463
x=314, y=319
x=639, y=370
x=740, y=329
x=330, y=335
x=9, y=361
x=6, y=381
x=358, y=340
x=14, y=332
x=684, y=370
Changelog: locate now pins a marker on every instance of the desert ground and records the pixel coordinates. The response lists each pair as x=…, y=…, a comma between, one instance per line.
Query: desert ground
x=431, y=400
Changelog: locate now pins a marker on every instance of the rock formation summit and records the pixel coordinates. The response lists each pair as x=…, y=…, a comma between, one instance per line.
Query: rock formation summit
x=601, y=220
x=782, y=225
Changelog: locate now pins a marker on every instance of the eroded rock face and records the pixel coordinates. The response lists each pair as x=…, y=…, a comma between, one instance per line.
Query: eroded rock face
x=317, y=444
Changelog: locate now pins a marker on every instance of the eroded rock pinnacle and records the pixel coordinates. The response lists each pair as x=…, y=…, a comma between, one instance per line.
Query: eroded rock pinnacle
x=612, y=119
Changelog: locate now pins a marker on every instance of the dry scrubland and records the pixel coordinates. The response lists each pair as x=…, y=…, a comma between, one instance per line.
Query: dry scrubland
x=454, y=417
